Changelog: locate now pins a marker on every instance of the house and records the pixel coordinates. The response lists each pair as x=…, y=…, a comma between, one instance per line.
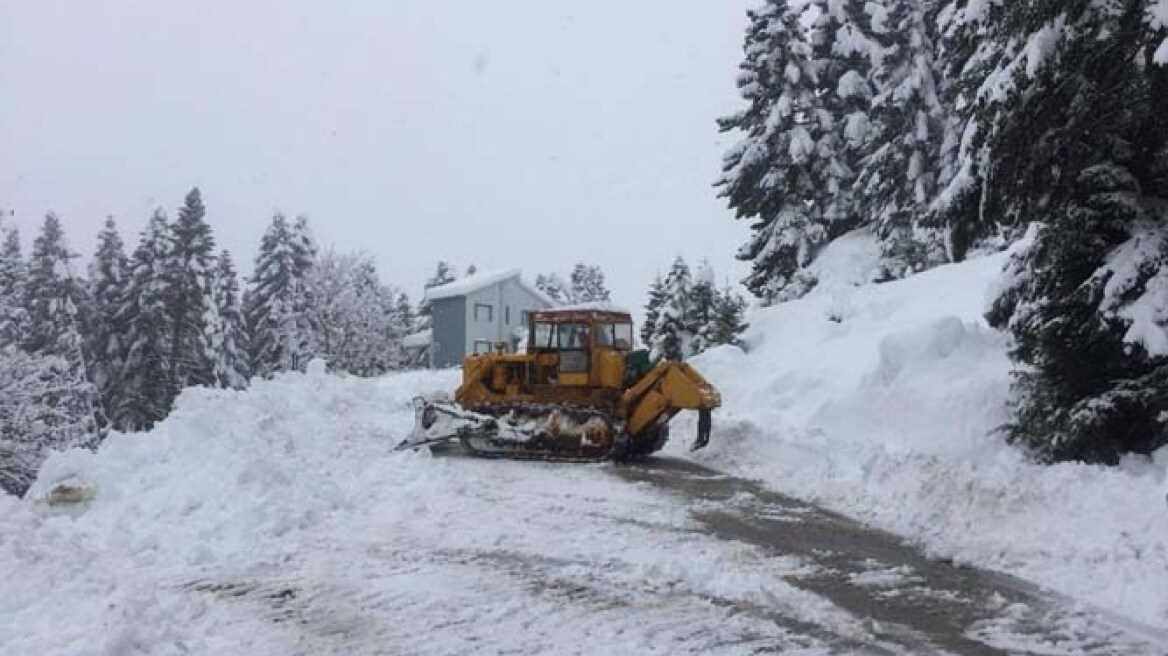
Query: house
x=483, y=309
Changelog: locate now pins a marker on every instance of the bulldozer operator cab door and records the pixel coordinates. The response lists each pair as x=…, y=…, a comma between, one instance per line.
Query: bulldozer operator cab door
x=575, y=343
x=570, y=342
x=613, y=342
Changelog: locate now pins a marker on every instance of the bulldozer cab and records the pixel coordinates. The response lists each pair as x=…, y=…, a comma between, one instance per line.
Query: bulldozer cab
x=587, y=347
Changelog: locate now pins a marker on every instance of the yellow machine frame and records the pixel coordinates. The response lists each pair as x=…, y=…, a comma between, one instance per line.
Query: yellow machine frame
x=639, y=401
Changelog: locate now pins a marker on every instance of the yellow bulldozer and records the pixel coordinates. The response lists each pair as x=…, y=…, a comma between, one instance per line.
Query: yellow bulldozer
x=576, y=392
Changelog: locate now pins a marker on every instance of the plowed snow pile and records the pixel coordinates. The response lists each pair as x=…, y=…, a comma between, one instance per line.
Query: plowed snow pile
x=279, y=522
x=882, y=401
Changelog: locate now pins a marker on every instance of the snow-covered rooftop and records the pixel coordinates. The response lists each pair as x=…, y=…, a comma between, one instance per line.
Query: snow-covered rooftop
x=476, y=281
x=596, y=306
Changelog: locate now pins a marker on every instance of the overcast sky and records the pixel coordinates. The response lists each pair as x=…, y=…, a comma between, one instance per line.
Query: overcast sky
x=512, y=133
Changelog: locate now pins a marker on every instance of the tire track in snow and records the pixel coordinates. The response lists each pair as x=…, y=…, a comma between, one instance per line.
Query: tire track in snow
x=923, y=604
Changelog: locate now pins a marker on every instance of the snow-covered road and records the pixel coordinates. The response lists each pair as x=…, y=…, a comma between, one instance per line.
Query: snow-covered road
x=665, y=557
x=279, y=521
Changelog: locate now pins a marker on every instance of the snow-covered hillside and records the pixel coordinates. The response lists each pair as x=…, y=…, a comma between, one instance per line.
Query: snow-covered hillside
x=882, y=401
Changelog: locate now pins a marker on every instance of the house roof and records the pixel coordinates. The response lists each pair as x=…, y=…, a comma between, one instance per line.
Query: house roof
x=476, y=281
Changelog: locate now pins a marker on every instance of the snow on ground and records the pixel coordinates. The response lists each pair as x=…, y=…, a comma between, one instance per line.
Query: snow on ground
x=882, y=401
x=279, y=521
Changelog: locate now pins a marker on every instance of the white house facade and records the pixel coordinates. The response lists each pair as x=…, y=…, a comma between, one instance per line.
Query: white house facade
x=483, y=309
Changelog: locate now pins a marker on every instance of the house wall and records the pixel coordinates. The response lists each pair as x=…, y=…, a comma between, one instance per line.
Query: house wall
x=508, y=301
x=448, y=345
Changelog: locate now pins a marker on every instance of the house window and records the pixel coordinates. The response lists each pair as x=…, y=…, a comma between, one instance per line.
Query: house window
x=484, y=312
x=523, y=317
x=507, y=314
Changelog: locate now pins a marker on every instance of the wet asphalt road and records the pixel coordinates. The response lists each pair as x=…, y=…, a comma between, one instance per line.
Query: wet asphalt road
x=914, y=604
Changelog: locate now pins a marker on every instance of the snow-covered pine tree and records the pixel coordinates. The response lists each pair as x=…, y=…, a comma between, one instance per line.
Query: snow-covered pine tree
x=588, y=284
x=304, y=246
x=358, y=321
x=1081, y=145
x=656, y=300
x=53, y=296
x=276, y=304
x=43, y=408
x=672, y=333
x=108, y=274
x=898, y=181
x=443, y=275
x=726, y=320
x=786, y=172
x=405, y=318
x=13, y=274
x=554, y=286
x=190, y=297
x=231, y=366
x=846, y=52
x=703, y=295
x=143, y=393
x=471, y=270
x=979, y=59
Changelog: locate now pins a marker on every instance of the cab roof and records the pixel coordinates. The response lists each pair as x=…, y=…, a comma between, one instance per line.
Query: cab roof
x=580, y=315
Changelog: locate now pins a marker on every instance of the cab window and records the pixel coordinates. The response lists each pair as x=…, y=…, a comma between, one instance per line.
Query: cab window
x=604, y=334
x=574, y=336
x=615, y=335
x=544, y=336
x=623, y=336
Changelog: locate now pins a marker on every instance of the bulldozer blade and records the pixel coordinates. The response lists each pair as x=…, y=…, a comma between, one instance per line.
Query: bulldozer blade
x=432, y=425
x=442, y=421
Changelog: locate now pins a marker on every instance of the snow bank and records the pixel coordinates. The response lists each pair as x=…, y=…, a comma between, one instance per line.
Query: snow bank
x=230, y=471
x=220, y=482
x=62, y=596
x=882, y=402
x=279, y=521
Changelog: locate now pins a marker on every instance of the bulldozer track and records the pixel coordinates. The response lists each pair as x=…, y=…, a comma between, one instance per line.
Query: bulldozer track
x=542, y=446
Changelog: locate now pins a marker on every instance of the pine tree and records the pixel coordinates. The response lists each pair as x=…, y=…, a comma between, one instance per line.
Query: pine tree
x=899, y=180
x=554, y=287
x=1082, y=146
x=726, y=320
x=44, y=407
x=144, y=393
x=406, y=318
x=190, y=298
x=443, y=275
x=231, y=366
x=53, y=297
x=653, y=306
x=358, y=319
x=977, y=54
x=13, y=275
x=786, y=173
x=846, y=51
x=108, y=274
x=588, y=285
x=703, y=296
x=672, y=332
x=276, y=305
